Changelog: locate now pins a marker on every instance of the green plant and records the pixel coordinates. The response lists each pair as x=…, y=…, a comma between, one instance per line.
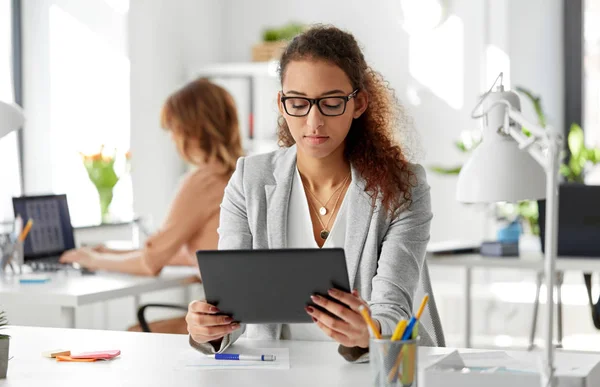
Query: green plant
x=283, y=33
x=3, y=324
x=466, y=144
x=581, y=156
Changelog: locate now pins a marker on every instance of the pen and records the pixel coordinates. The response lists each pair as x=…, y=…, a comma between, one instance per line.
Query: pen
x=17, y=228
x=408, y=332
x=237, y=356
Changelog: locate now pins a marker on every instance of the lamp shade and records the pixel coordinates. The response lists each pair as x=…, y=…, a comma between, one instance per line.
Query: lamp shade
x=11, y=118
x=498, y=170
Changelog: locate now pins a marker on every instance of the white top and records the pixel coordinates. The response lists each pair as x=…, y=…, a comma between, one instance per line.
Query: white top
x=300, y=235
x=156, y=360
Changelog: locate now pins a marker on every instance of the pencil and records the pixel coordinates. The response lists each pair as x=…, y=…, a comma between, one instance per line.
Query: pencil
x=399, y=331
x=26, y=230
x=408, y=332
x=364, y=311
x=422, y=307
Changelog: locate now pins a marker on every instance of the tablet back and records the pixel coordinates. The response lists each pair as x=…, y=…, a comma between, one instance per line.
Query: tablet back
x=270, y=286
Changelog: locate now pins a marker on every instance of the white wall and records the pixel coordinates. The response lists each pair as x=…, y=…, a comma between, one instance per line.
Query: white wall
x=377, y=27
x=447, y=76
x=166, y=39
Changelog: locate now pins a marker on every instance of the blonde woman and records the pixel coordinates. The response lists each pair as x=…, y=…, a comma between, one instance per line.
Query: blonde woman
x=202, y=120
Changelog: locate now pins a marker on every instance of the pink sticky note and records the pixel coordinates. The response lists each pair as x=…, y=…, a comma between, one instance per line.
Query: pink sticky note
x=97, y=355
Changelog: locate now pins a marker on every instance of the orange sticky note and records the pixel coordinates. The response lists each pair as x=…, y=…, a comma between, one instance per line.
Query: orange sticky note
x=70, y=359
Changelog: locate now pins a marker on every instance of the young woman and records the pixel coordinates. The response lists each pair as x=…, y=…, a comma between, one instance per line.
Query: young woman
x=202, y=120
x=341, y=180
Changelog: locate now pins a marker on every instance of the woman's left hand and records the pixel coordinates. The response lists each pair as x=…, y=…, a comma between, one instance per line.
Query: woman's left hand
x=349, y=328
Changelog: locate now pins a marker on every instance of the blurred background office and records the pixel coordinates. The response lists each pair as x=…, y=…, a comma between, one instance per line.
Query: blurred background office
x=96, y=72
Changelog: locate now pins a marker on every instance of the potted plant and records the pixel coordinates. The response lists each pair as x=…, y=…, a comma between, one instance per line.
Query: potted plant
x=4, y=344
x=274, y=41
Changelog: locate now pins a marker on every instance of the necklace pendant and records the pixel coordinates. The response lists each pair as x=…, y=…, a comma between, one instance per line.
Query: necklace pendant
x=323, y=211
x=324, y=234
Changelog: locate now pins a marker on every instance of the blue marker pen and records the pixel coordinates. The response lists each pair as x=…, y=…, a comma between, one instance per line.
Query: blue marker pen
x=236, y=356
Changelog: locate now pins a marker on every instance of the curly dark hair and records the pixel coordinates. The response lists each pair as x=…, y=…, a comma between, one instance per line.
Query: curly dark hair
x=370, y=144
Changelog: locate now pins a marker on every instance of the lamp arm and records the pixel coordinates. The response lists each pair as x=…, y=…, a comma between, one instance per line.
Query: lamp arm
x=544, y=146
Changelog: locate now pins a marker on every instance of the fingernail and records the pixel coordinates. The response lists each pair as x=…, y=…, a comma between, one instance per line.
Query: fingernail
x=333, y=292
x=310, y=309
x=235, y=326
x=314, y=319
x=214, y=309
x=228, y=319
x=315, y=298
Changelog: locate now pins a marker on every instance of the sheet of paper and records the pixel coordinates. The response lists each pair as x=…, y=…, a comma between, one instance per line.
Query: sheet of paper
x=192, y=359
x=493, y=359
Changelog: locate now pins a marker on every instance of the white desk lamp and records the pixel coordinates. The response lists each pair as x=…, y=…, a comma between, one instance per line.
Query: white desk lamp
x=11, y=118
x=510, y=166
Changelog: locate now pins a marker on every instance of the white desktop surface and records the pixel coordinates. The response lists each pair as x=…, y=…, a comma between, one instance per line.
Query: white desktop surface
x=152, y=360
x=72, y=289
x=526, y=260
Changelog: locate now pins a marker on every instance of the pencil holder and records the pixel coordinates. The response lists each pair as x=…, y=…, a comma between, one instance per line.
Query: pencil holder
x=18, y=256
x=393, y=363
x=6, y=251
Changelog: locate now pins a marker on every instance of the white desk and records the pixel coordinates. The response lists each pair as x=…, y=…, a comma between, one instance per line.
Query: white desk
x=152, y=360
x=526, y=261
x=70, y=290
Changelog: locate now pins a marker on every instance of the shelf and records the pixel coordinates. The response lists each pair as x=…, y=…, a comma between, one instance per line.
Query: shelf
x=238, y=69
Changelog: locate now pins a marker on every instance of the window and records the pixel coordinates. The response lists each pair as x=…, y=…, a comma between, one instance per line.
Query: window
x=591, y=72
x=582, y=72
x=10, y=175
x=89, y=103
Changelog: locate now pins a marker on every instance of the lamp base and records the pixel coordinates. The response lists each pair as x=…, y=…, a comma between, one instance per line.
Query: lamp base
x=500, y=249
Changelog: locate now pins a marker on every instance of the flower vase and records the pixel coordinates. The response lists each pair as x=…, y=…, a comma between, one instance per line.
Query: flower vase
x=105, y=195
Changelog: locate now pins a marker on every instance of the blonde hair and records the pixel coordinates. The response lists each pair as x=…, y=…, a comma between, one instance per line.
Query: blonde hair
x=205, y=116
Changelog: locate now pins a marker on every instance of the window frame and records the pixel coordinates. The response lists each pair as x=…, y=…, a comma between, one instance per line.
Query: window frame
x=573, y=63
x=17, y=75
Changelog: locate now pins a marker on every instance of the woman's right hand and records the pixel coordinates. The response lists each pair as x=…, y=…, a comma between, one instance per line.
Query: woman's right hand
x=204, y=325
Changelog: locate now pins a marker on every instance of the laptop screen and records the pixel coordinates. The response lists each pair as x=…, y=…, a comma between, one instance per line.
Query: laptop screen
x=52, y=233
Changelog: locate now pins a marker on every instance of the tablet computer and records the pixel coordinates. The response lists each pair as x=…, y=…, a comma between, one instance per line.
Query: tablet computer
x=270, y=286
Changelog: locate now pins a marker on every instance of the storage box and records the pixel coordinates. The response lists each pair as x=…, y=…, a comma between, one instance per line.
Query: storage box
x=266, y=51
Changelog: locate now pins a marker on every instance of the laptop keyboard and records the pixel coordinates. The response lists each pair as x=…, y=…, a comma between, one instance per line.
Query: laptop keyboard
x=50, y=264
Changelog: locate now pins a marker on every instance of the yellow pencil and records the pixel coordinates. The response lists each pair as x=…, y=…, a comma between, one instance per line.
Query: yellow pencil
x=422, y=307
x=364, y=311
x=399, y=331
x=26, y=230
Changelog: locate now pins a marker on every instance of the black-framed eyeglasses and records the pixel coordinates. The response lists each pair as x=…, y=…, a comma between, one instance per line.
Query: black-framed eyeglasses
x=328, y=106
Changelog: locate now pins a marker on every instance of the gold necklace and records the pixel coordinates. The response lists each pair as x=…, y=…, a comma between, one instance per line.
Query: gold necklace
x=323, y=208
x=325, y=231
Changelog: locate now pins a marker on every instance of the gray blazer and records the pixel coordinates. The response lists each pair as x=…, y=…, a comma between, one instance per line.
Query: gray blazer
x=384, y=256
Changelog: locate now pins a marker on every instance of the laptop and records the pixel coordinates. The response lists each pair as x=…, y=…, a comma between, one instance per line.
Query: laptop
x=51, y=234
x=578, y=220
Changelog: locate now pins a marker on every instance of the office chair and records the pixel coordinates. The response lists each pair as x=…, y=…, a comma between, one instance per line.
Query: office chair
x=430, y=319
x=143, y=324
